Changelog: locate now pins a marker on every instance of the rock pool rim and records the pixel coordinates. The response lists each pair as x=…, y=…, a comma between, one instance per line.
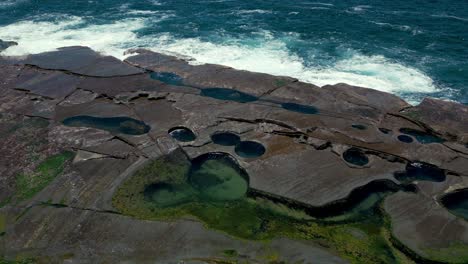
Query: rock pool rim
x=249, y=149
x=182, y=134
x=110, y=124
x=225, y=138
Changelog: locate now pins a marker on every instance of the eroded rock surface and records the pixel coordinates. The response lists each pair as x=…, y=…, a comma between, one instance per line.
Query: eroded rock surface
x=301, y=145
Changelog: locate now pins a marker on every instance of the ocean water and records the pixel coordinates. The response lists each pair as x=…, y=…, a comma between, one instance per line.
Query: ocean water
x=412, y=48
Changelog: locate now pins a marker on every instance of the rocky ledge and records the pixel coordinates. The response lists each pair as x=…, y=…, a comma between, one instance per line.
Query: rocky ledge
x=156, y=160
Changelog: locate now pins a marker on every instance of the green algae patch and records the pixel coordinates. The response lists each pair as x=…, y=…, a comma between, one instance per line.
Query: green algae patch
x=18, y=261
x=456, y=253
x=163, y=190
x=230, y=253
x=28, y=185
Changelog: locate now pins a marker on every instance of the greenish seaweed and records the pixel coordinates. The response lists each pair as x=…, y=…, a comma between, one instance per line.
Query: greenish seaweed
x=255, y=218
x=27, y=185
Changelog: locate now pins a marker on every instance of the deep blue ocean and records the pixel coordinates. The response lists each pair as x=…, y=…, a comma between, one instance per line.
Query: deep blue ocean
x=413, y=48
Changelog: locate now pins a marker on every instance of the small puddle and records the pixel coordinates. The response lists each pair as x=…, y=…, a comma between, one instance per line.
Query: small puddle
x=356, y=157
x=182, y=134
x=225, y=138
x=421, y=136
x=457, y=203
x=385, y=130
x=228, y=95
x=167, y=78
x=123, y=125
x=420, y=172
x=359, y=126
x=303, y=109
x=249, y=149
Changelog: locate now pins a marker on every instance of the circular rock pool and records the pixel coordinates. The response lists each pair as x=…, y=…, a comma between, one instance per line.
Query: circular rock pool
x=356, y=157
x=182, y=134
x=249, y=149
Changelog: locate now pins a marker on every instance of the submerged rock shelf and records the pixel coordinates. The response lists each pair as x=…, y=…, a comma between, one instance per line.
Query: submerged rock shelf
x=221, y=154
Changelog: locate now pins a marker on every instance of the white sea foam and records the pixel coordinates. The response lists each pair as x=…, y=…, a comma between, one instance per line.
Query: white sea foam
x=11, y=3
x=320, y=3
x=36, y=37
x=253, y=11
x=155, y=2
x=450, y=16
x=142, y=12
x=399, y=27
x=317, y=8
x=264, y=53
x=273, y=57
x=360, y=8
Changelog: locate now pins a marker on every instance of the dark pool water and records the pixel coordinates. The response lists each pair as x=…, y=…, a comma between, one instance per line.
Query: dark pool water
x=405, y=138
x=123, y=125
x=249, y=149
x=385, y=130
x=182, y=134
x=167, y=77
x=218, y=177
x=225, y=138
x=358, y=126
x=356, y=157
x=303, y=109
x=421, y=136
x=457, y=203
x=421, y=172
x=228, y=95
x=362, y=202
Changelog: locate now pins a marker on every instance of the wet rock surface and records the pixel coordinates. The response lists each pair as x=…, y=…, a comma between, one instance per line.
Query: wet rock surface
x=326, y=151
x=6, y=44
